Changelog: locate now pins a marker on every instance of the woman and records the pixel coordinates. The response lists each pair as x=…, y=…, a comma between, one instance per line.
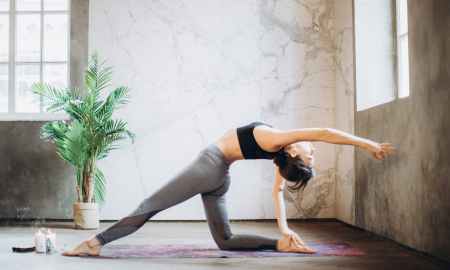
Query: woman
x=207, y=175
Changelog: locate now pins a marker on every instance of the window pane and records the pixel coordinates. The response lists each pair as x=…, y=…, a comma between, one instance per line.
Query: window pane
x=403, y=67
x=4, y=5
x=375, y=61
x=55, y=75
x=56, y=4
x=402, y=17
x=26, y=75
x=55, y=37
x=28, y=37
x=33, y=5
x=4, y=37
x=3, y=88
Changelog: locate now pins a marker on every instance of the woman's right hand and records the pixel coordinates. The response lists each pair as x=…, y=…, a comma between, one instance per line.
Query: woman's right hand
x=380, y=150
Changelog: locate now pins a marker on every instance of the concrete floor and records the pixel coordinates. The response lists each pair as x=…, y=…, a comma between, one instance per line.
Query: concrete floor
x=381, y=253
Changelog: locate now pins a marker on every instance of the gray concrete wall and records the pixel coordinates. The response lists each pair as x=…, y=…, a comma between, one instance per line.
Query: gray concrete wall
x=406, y=197
x=34, y=182
x=79, y=35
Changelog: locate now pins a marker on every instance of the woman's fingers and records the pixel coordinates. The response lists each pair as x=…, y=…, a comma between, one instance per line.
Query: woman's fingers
x=309, y=250
x=302, y=248
x=294, y=238
x=297, y=245
x=298, y=240
x=377, y=155
x=388, y=148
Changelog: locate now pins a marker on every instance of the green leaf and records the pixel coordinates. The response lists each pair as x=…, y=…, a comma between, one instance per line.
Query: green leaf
x=53, y=97
x=99, y=186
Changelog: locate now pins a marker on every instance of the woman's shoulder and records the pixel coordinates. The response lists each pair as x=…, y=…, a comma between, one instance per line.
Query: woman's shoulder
x=255, y=124
x=261, y=123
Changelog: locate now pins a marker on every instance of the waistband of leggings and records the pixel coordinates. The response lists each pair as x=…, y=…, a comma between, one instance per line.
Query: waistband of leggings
x=215, y=153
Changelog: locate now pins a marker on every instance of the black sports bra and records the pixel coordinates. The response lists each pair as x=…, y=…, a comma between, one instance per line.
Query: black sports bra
x=249, y=147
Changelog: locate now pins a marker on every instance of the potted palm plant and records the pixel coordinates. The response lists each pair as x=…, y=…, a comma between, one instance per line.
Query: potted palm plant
x=88, y=135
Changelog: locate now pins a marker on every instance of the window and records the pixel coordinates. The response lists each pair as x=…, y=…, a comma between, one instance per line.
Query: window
x=375, y=53
x=34, y=46
x=402, y=48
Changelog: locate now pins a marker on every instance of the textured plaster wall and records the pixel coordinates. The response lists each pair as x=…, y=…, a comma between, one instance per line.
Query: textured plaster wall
x=406, y=197
x=198, y=68
x=344, y=112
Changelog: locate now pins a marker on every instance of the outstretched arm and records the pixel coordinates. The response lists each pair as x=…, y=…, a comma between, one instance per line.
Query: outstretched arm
x=331, y=135
x=280, y=212
x=280, y=209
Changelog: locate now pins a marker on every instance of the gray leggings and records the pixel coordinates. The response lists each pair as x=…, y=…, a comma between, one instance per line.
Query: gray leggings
x=206, y=175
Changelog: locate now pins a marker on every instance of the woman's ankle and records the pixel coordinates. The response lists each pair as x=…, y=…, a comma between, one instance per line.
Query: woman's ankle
x=94, y=242
x=278, y=246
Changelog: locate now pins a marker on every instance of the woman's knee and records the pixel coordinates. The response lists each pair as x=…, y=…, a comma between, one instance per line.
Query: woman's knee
x=220, y=191
x=225, y=243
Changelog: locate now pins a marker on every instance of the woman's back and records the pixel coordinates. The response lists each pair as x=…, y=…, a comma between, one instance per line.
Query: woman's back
x=263, y=135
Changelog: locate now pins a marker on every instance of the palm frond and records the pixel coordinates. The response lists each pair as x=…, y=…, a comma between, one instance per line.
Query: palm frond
x=99, y=186
x=112, y=131
x=97, y=78
x=76, y=110
x=117, y=98
x=53, y=97
x=55, y=130
x=74, y=147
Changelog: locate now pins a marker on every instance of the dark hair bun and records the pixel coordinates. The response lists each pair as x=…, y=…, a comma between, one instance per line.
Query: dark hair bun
x=293, y=169
x=281, y=158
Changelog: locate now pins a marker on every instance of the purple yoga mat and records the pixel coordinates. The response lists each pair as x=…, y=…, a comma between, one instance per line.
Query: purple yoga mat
x=209, y=251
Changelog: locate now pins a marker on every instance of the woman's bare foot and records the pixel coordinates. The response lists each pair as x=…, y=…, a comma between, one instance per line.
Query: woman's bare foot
x=86, y=248
x=286, y=244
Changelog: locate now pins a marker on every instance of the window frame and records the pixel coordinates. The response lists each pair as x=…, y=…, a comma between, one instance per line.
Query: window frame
x=398, y=37
x=12, y=114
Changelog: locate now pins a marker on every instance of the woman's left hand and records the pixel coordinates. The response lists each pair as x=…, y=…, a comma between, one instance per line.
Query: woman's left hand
x=294, y=236
x=293, y=243
x=298, y=245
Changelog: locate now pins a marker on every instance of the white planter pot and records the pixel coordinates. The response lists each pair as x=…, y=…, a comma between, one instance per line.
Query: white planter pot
x=85, y=215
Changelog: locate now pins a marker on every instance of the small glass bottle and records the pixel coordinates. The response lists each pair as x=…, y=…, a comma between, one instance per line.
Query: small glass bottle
x=40, y=241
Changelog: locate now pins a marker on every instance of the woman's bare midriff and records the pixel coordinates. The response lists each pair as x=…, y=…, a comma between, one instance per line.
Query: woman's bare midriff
x=229, y=145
